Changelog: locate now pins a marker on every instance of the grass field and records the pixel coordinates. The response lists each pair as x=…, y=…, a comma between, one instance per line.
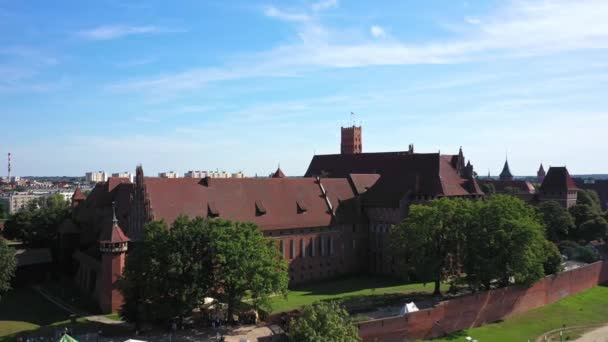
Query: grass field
x=347, y=287
x=586, y=308
x=25, y=312
x=25, y=309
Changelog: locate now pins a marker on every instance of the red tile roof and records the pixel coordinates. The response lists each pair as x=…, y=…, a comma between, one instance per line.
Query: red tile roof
x=558, y=180
x=522, y=186
x=78, y=195
x=419, y=174
x=271, y=203
x=113, y=235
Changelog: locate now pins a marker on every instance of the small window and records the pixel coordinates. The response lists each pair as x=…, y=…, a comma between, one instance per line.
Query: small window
x=303, y=247
x=293, y=248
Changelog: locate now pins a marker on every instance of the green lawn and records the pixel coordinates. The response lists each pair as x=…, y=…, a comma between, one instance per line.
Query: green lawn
x=347, y=287
x=25, y=312
x=586, y=308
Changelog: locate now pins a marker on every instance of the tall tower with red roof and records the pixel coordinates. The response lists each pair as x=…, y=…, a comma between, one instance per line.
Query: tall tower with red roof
x=113, y=245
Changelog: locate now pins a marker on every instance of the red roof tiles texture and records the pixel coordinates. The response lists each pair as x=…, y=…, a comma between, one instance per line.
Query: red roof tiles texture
x=558, y=180
x=113, y=235
x=422, y=174
x=236, y=198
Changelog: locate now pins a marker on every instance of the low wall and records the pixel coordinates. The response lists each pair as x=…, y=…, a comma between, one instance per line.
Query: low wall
x=483, y=307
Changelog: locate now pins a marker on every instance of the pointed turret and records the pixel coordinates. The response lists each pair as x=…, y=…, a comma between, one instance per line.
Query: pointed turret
x=113, y=245
x=506, y=175
x=278, y=173
x=540, y=174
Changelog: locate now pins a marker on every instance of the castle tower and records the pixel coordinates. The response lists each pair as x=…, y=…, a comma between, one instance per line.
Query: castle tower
x=113, y=245
x=540, y=174
x=506, y=175
x=351, y=142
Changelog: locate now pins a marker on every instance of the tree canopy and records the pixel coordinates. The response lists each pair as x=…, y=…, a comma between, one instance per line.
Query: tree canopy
x=558, y=221
x=428, y=241
x=589, y=197
x=7, y=266
x=170, y=272
x=37, y=224
x=245, y=262
x=323, y=322
x=499, y=239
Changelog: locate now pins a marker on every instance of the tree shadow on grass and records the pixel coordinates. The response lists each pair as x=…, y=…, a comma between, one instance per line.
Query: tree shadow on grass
x=348, y=284
x=26, y=305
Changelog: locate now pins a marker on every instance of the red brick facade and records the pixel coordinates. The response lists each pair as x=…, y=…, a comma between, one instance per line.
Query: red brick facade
x=351, y=140
x=483, y=307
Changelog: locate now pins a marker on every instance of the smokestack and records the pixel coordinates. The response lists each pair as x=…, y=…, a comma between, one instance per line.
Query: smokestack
x=9, y=167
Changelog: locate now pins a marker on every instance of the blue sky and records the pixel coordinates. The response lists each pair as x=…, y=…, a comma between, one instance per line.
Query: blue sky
x=246, y=85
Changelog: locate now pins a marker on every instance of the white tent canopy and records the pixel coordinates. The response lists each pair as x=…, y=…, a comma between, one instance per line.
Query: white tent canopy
x=408, y=308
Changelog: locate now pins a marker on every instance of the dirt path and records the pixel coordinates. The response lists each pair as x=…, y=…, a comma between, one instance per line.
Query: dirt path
x=597, y=335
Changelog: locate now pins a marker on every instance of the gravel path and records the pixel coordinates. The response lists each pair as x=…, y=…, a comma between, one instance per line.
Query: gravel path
x=597, y=335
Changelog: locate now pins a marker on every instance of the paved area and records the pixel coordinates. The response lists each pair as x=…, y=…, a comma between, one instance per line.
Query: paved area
x=596, y=335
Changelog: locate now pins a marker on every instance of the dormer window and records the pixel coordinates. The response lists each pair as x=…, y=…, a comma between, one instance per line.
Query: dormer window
x=260, y=209
x=212, y=210
x=301, y=206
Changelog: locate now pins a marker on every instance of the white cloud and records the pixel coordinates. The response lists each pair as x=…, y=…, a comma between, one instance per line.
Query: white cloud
x=523, y=28
x=472, y=20
x=377, y=31
x=324, y=5
x=276, y=13
x=108, y=32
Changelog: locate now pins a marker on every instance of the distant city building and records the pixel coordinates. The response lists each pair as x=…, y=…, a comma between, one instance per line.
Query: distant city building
x=238, y=175
x=195, y=174
x=19, y=200
x=170, y=174
x=217, y=174
x=125, y=174
x=95, y=177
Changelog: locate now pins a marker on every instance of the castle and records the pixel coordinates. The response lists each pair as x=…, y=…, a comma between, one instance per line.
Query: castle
x=335, y=220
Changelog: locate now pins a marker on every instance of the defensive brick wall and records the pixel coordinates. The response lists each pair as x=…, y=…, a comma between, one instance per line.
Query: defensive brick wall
x=483, y=307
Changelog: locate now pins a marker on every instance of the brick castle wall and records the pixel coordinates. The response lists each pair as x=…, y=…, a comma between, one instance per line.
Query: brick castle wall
x=483, y=307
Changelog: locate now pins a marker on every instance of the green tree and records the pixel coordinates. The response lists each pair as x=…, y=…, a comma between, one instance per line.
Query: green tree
x=589, y=197
x=505, y=239
x=3, y=210
x=488, y=188
x=590, y=225
x=7, y=266
x=428, y=242
x=553, y=259
x=594, y=229
x=558, y=221
x=582, y=213
x=245, y=262
x=37, y=223
x=169, y=273
x=323, y=322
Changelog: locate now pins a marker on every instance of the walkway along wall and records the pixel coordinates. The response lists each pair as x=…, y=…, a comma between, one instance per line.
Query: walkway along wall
x=483, y=307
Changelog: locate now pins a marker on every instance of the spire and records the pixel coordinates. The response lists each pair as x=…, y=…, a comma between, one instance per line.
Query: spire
x=506, y=175
x=114, y=219
x=278, y=173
